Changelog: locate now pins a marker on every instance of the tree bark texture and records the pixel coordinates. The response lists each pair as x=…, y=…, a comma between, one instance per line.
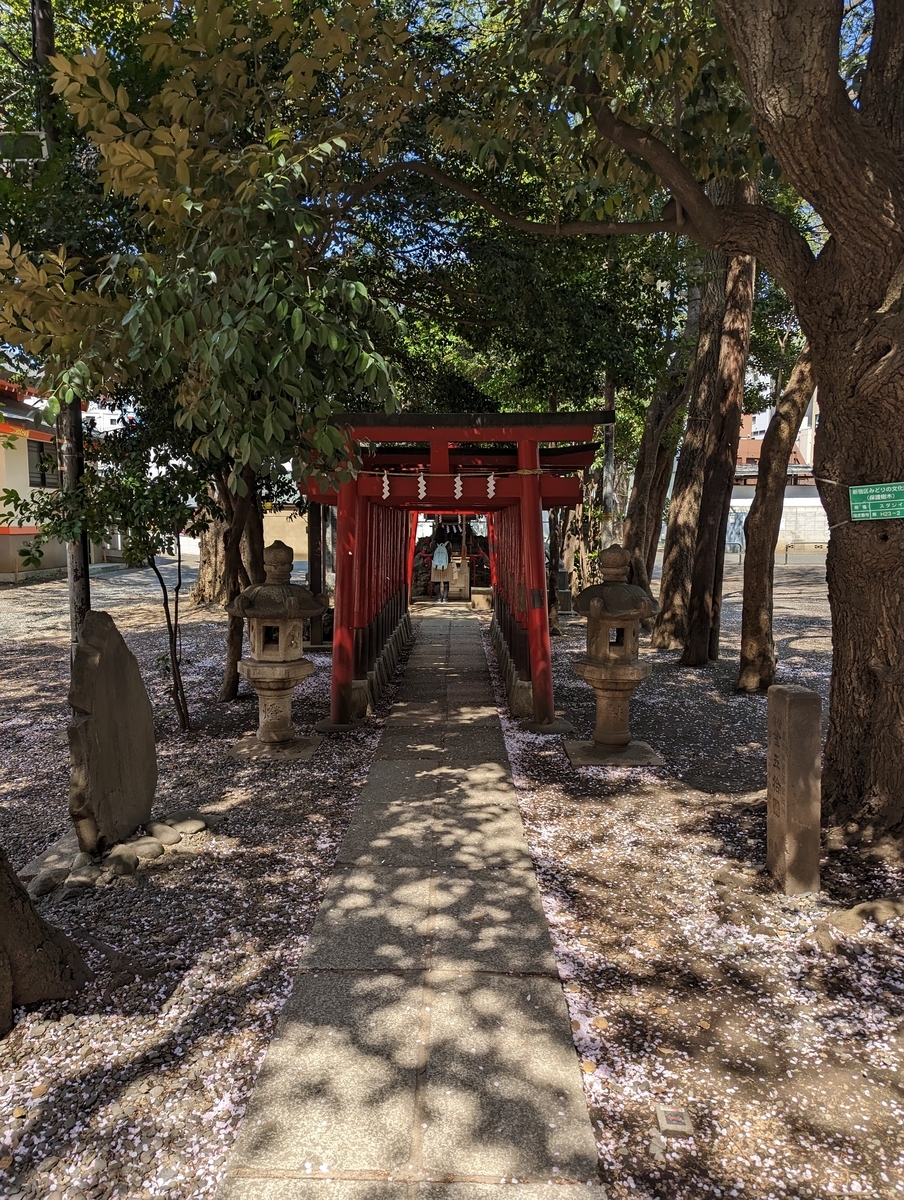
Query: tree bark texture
x=210, y=586
x=761, y=529
x=552, y=574
x=253, y=542
x=37, y=962
x=607, y=513
x=670, y=629
x=721, y=453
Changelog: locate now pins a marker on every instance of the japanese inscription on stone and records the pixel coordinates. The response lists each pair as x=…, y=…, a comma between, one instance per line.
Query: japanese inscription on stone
x=793, y=803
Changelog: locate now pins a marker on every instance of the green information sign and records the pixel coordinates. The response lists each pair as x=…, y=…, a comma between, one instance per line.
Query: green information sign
x=877, y=501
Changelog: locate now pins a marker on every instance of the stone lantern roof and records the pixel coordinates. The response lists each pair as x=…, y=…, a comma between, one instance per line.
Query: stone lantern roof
x=615, y=597
x=277, y=599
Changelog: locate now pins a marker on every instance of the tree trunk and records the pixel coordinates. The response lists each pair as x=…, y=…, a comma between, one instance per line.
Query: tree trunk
x=704, y=603
x=570, y=545
x=607, y=515
x=210, y=586
x=233, y=570
x=71, y=451
x=651, y=480
x=315, y=564
x=758, y=659
x=253, y=541
x=173, y=641
x=43, y=48
x=670, y=630
x=860, y=440
x=37, y=962
x=662, y=477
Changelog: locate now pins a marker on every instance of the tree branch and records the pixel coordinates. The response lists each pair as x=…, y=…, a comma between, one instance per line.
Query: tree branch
x=25, y=63
x=663, y=162
x=540, y=228
x=733, y=228
x=841, y=162
x=882, y=96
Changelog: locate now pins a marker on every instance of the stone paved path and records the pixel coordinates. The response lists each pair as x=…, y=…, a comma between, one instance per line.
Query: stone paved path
x=425, y=1050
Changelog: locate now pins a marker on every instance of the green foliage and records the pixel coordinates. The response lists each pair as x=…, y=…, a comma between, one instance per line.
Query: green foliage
x=536, y=79
x=234, y=167
x=775, y=344
x=499, y=319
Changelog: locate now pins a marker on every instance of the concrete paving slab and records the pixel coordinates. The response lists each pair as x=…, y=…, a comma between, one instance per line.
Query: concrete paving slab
x=479, y=841
x=477, y=779
x=426, y=1049
x=484, y=919
x=481, y=716
x=417, y=716
x=396, y=834
x=371, y=919
x=506, y=1191
x=504, y=1096
x=403, y=743
x=254, y=1187
x=351, y=1107
x=393, y=778
x=488, y=743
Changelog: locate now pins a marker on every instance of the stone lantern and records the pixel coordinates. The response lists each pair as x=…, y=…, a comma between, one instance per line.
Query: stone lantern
x=276, y=612
x=614, y=610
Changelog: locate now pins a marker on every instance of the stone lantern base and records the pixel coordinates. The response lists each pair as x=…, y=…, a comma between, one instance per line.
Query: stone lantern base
x=274, y=683
x=592, y=754
x=612, y=745
x=299, y=749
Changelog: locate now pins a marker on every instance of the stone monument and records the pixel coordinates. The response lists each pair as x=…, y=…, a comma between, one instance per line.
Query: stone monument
x=793, y=801
x=614, y=610
x=111, y=739
x=276, y=612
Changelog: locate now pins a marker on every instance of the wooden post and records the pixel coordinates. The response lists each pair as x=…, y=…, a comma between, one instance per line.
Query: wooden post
x=535, y=582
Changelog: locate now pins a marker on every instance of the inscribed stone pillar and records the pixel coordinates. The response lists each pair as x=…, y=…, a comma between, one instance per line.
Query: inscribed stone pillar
x=111, y=738
x=793, y=806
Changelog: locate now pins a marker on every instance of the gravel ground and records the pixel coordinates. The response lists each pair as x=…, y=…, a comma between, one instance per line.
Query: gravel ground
x=137, y=1086
x=689, y=982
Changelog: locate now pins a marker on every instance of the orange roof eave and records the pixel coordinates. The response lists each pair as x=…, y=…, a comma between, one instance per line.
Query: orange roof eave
x=33, y=435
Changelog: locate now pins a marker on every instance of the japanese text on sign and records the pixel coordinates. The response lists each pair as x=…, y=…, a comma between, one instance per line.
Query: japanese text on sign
x=877, y=501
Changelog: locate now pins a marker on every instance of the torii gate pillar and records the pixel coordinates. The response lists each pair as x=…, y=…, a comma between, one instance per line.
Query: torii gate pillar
x=535, y=579
x=344, y=607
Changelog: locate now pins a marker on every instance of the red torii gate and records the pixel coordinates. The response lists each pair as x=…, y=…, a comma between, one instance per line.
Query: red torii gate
x=415, y=462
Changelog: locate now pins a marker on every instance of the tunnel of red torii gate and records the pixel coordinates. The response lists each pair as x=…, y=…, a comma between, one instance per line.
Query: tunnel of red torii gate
x=507, y=467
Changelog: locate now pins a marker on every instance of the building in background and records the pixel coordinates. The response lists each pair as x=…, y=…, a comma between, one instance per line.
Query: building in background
x=804, y=527
x=28, y=461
